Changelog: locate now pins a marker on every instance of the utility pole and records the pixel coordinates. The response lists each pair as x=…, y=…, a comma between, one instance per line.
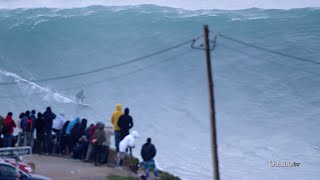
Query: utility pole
x=214, y=147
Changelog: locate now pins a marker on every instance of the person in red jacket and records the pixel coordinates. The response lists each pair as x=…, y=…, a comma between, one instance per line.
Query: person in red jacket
x=90, y=147
x=28, y=132
x=9, y=124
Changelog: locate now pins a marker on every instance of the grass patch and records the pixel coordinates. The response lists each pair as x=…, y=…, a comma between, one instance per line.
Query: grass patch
x=115, y=177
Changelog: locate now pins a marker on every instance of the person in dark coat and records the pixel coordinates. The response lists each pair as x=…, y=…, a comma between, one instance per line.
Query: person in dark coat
x=48, y=116
x=75, y=134
x=64, y=138
x=40, y=134
x=34, y=122
x=83, y=126
x=125, y=123
x=148, y=152
x=79, y=151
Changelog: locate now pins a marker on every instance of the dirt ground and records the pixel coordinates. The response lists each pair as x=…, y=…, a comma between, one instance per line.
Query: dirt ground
x=62, y=168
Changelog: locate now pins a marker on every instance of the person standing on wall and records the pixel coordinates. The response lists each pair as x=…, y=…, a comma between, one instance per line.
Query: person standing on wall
x=28, y=132
x=40, y=134
x=1, y=124
x=125, y=123
x=7, y=130
x=99, y=137
x=148, y=152
x=34, y=122
x=20, y=130
x=22, y=125
x=106, y=144
x=114, y=120
x=90, y=147
x=57, y=126
x=128, y=141
x=48, y=117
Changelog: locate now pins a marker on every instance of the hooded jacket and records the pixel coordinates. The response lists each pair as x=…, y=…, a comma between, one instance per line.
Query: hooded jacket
x=9, y=122
x=125, y=121
x=75, y=132
x=148, y=151
x=71, y=124
x=108, y=132
x=83, y=126
x=115, y=117
x=40, y=125
x=99, y=135
x=58, y=122
x=48, y=117
x=128, y=141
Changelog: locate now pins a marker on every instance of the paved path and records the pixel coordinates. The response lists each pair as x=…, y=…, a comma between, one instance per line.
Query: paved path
x=61, y=168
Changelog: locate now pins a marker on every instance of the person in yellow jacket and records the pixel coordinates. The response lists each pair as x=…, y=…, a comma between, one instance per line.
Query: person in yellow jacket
x=114, y=120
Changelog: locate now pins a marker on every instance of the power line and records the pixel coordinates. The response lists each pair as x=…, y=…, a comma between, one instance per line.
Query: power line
x=94, y=83
x=128, y=73
x=107, y=67
x=265, y=59
x=269, y=50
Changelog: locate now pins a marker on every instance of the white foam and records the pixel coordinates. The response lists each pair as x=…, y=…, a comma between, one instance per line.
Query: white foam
x=188, y=4
x=50, y=95
x=38, y=22
x=249, y=18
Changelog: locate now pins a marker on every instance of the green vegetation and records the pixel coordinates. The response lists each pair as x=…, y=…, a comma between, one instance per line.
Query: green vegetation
x=115, y=177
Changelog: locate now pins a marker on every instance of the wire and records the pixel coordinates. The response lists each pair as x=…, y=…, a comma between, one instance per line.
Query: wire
x=94, y=83
x=107, y=67
x=264, y=59
x=269, y=50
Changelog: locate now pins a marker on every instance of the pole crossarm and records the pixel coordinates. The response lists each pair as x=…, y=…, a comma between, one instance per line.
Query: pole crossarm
x=213, y=43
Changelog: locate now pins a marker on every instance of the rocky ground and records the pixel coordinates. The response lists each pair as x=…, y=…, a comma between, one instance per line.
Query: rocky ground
x=62, y=168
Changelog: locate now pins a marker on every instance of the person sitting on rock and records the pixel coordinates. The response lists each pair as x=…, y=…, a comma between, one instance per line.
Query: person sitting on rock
x=127, y=142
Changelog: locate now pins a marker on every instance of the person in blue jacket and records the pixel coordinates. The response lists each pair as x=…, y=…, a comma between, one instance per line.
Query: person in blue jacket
x=68, y=133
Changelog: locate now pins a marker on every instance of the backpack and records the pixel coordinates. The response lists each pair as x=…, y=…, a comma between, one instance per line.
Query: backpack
x=28, y=126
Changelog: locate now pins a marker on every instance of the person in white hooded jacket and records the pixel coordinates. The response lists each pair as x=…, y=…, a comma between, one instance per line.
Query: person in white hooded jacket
x=127, y=142
x=56, y=128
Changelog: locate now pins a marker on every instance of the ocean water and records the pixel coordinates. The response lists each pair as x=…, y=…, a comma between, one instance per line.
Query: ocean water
x=267, y=105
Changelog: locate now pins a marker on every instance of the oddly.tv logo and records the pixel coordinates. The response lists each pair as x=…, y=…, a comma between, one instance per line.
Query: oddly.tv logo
x=283, y=164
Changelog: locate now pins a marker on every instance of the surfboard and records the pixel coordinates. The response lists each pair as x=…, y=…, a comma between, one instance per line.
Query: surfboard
x=82, y=104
